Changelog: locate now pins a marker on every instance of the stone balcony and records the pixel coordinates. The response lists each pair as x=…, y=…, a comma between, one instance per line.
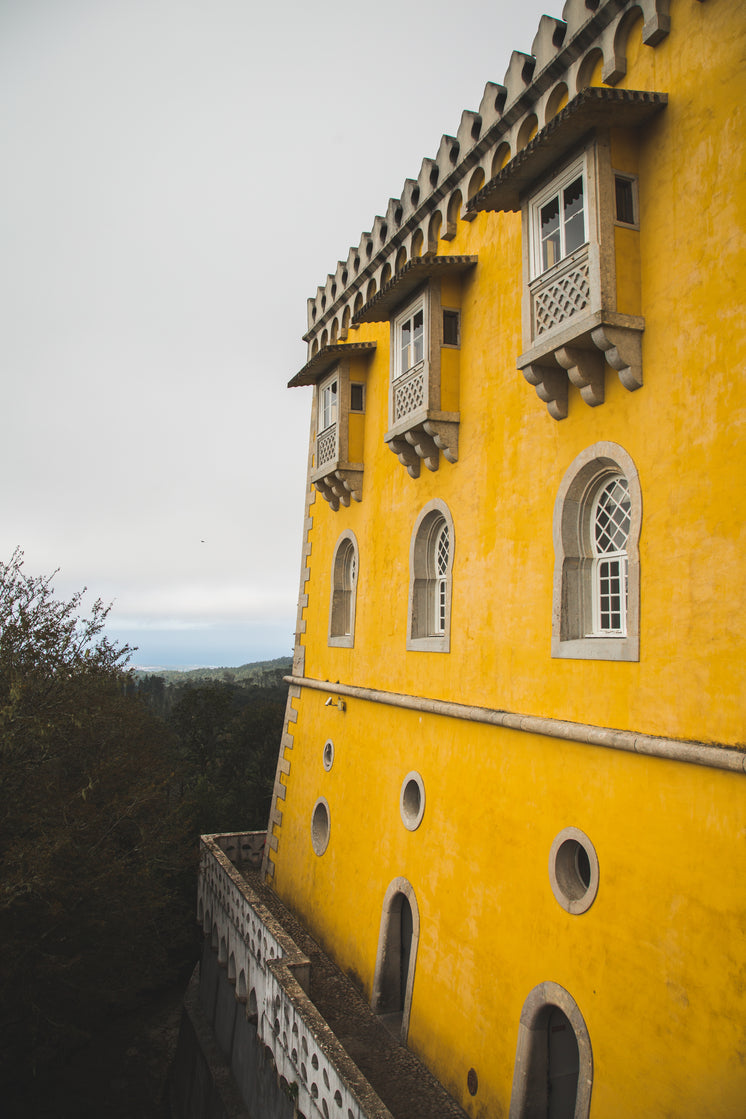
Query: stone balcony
x=331, y=1055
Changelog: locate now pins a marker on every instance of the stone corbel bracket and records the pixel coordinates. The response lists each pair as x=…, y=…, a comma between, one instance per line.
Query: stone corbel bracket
x=584, y=365
x=339, y=486
x=622, y=347
x=424, y=442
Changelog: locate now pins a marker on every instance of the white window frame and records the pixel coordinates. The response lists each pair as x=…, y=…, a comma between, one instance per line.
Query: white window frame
x=577, y=169
x=404, y=316
x=430, y=589
x=600, y=559
x=343, y=593
x=328, y=402
x=438, y=576
x=576, y=632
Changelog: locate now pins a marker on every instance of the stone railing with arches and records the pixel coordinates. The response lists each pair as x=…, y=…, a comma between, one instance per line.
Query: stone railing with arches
x=271, y=977
x=564, y=55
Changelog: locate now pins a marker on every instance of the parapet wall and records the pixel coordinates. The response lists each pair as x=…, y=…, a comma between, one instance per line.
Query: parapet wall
x=565, y=54
x=269, y=978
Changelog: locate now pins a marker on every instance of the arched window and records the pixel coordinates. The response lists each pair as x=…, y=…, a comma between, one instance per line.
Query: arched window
x=398, y=939
x=431, y=564
x=610, y=521
x=554, y=1061
x=439, y=551
x=343, y=592
x=597, y=521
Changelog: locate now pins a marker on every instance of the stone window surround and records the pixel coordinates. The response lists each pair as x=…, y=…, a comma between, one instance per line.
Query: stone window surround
x=418, y=429
x=337, y=479
x=407, y=315
x=634, y=181
x=420, y=434
x=574, y=905
x=332, y=407
x=412, y=813
x=578, y=346
x=419, y=580
x=573, y=562
x=528, y=1098
x=387, y=958
x=553, y=186
x=320, y=826
x=337, y=608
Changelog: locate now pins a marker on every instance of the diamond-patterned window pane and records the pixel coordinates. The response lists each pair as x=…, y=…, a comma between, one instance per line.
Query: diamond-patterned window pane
x=326, y=447
x=612, y=519
x=442, y=551
x=562, y=298
x=409, y=395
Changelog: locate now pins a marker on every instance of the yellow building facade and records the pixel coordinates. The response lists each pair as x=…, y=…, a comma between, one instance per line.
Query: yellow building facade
x=510, y=799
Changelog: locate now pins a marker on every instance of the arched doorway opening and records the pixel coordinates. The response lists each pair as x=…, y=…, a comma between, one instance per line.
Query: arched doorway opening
x=553, y=1074
x=396, y=958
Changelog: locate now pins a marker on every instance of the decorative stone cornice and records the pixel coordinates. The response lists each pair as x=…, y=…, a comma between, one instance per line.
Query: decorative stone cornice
x=325, y=360
x=405, y=283
x=593, y=107
x=563, y=55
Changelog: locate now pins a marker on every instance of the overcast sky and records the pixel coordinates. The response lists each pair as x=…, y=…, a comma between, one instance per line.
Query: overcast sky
x=178, y=177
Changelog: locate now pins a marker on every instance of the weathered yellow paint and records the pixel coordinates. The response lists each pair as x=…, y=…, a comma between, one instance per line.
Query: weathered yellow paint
x=656, y=965
x=661, y=947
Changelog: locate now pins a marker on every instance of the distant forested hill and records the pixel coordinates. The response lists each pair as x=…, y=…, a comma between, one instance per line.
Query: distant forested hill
x=265, y=674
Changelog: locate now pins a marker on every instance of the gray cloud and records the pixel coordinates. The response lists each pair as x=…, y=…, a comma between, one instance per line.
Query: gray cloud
x=178, y=179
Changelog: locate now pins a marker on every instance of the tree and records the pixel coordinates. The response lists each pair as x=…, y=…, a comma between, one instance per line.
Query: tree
x=94, y=850
x=228, y=738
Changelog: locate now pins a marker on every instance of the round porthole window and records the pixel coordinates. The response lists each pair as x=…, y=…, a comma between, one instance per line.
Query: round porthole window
x=412, y=800
x=320, y=826
x=573, y=870
x=328, y=755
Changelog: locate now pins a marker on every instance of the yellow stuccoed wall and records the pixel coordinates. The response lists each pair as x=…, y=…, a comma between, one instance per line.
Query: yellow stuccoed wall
x=656, y=965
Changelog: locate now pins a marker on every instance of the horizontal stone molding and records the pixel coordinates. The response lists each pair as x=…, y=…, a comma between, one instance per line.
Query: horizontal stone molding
x=715, y=756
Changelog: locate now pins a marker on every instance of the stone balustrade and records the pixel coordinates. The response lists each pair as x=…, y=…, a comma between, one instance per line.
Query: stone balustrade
x=271, y=977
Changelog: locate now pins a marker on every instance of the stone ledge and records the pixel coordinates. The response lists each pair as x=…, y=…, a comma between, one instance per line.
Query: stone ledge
x=716, y=756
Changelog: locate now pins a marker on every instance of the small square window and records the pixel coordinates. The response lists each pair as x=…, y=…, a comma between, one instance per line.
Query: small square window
x=624, y=190
x=451, y=328
x=357, y=397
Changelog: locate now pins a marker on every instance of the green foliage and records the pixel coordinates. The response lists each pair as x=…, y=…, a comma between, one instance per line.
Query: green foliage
x=228, y=740
x=94, y=847
x=106, y=782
